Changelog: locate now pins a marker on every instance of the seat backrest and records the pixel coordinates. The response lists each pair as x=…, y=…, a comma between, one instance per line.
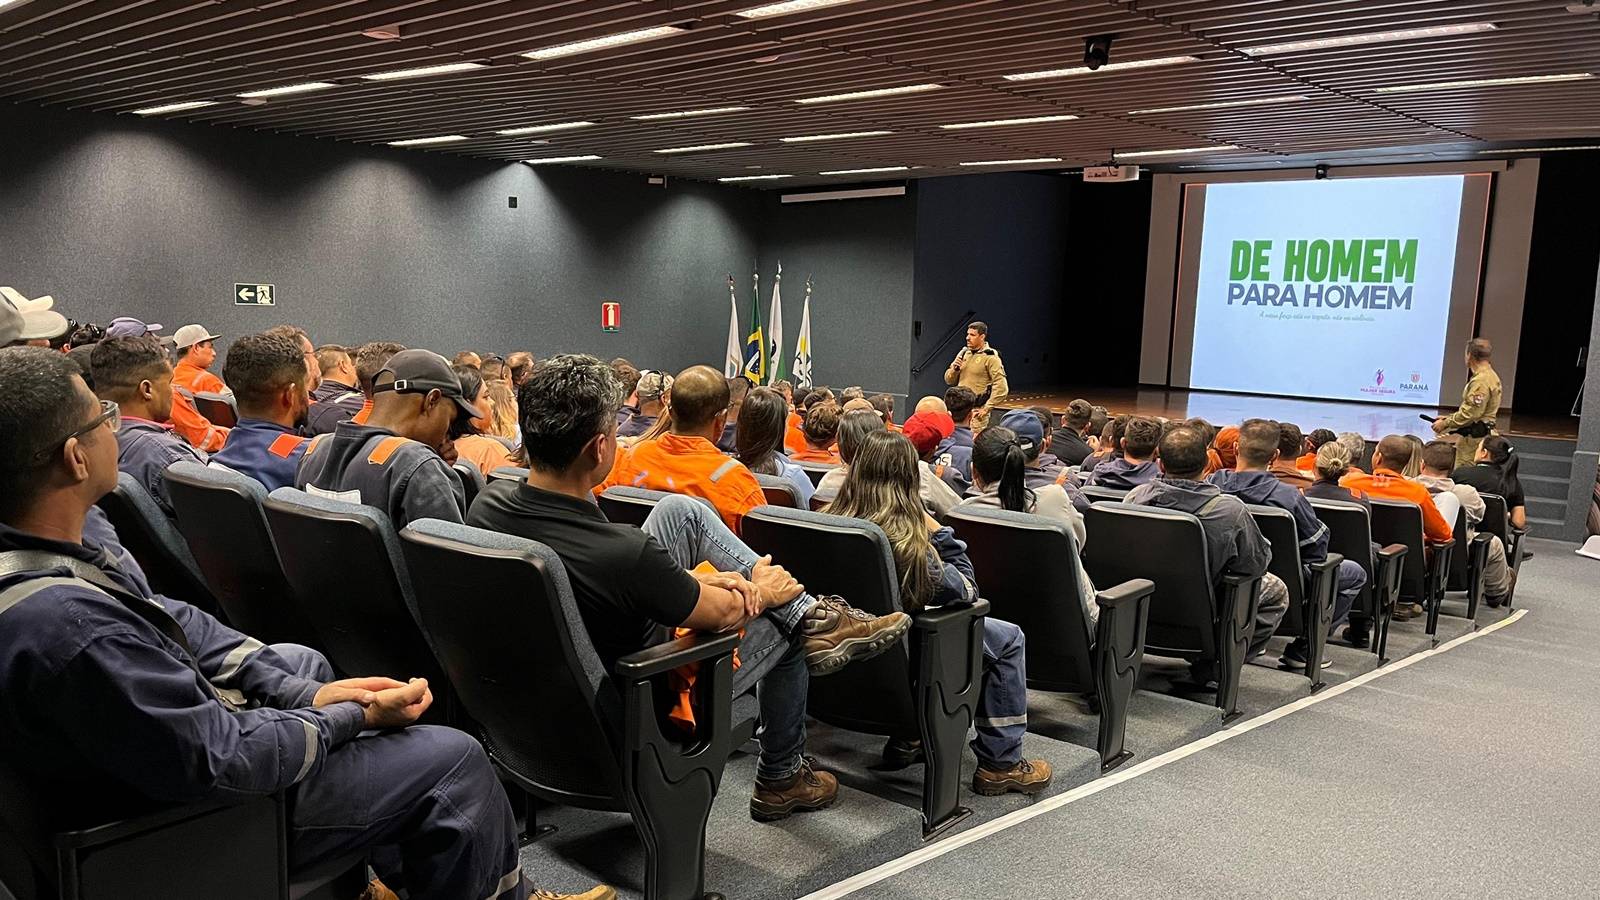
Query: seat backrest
x=1400, y=522
x=1042, y=598
x=1457, y=575
x=509, y=473
x=815, y=471
x=472, y=481
x=217, y=409
x=515, y=649
x=1100, y=492
x=1350, y=536
x=1496, y=521
x=851, y=558
x=220, y=516
x=631, y=506
x=343, y=561
x=779, y=491
x=1169, y=548
x=1277, y=526
x=147, y=533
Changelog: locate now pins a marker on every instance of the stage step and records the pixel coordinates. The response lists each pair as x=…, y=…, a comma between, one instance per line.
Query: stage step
x=1545, y=528
x=1550, y=486
x=1547, y=464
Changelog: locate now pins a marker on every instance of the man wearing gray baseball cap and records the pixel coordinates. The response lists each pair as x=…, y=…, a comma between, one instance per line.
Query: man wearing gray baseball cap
x=393, y=461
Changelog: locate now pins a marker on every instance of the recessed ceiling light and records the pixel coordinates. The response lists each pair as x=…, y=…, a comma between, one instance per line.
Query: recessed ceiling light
x=700, y=147
x=791, y=6
x=753, y=177
x=690, y=113
x=1371, y=37
x=1541, y=149
x=997, y=123
x=536, y=129
x=832, y=137
x=873, y=171
x=603, y=43
x=423, y=71
x=1013, y=162
x=1180, y=151
x=173, y=107
x=1108, y=67
x=1483, y=82
x=419, y=142
x=868, y=95
x=1220, y=104
x=288, y=89
x=560, y=159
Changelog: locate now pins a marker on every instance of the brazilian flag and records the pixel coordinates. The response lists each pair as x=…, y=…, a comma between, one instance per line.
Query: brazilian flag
x=755, y=346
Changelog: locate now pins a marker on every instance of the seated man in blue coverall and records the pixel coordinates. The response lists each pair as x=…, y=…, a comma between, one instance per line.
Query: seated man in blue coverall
x=115, y=701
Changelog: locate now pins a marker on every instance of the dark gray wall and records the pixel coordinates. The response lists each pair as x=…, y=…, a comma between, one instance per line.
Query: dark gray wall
x=858, y=254
x=118, y=216
x=994, y=244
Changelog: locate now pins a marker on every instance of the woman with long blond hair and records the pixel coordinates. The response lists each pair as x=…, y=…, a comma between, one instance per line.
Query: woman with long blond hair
x=932, y=568
x=503, y=413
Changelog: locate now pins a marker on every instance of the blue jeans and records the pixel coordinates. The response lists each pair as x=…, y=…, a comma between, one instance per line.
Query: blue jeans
x=771, y=658
x=1002, y=716
x=1351, y=579
x=422, y=803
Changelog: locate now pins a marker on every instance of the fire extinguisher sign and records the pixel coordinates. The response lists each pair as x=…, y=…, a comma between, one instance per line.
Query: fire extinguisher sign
x=611, y=316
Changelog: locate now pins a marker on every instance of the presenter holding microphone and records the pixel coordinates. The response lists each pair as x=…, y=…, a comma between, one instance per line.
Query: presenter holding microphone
x=979, y=369
x=1480, y=403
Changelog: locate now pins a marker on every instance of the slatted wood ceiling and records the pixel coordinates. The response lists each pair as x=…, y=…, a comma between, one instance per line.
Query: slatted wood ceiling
x=118, y=57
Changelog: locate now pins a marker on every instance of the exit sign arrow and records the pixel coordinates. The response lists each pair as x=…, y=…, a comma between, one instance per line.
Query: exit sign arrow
x=247, y=294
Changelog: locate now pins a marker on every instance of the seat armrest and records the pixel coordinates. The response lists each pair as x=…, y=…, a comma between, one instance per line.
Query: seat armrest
x=1393, y=552
x=1235, y=580
x=1125, y=593
x=944, y=618
x=1329, y=563
x=115, y=831
x=1440, y=545
x=697, y=647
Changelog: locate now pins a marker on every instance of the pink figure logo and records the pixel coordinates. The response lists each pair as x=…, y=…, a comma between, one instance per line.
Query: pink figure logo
x=1379, y=379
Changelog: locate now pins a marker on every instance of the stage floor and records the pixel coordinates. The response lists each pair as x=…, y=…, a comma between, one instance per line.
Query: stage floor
x=1370, y=419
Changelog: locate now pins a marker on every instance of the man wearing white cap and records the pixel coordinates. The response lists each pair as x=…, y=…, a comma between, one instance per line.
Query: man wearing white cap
x=40, y=323
x=195, y=355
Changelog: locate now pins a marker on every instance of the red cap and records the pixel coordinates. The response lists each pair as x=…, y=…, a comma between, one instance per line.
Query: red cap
x=927, y=429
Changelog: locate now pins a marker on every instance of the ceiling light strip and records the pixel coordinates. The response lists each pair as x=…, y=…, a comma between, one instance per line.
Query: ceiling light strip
x=540, y=129
x=999, y=123
x=1372, y=37
x=754, y=177
x=1541, y=149
x=872, y=94
x=789, y=7
x=605, y=43
x=689, y=113
x=424, y=71
x=700, y=148
x=1220, y=104
x=422, y=142
x=561, y=159
x=185, y=106
x=833, y=137
x=1156, y=63
x=286, y=90
x=1012, y=162
x=1179, y=151
x=877, y=170
x=1483, y=82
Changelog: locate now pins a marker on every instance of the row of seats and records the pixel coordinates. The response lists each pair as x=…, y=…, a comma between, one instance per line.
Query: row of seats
x=375, y=601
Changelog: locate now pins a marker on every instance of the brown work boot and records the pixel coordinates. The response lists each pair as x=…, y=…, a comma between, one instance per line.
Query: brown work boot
x=805, y=790
x=1030, y=776
x=598, y=892
x=837, y=633
x=1405, y=611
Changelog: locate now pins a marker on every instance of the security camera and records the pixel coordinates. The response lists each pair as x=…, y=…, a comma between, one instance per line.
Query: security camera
x=1321, y=171
x=1097, y=51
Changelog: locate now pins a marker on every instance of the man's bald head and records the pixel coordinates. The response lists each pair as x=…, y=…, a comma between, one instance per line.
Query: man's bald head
x=932, y=404
x=1394, y=452
x=699, y=395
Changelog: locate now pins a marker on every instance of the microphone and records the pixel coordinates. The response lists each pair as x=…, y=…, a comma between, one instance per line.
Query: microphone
x=961, y=357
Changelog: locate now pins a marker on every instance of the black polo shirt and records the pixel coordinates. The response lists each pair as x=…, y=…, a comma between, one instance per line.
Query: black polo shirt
x=1069, y=446
x=1489, y=478
x=628, y=589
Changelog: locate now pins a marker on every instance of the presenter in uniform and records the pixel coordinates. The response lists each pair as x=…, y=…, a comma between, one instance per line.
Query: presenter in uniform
x=979, y=369
x=1480, y=403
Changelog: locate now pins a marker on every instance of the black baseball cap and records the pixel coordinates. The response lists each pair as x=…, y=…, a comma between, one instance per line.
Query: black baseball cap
x=421, y=371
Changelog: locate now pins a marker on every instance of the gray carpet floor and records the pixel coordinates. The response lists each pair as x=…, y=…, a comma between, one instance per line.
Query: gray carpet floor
x=1423, y=783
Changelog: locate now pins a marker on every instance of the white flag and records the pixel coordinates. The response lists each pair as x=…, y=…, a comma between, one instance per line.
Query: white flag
x=733, y=364
x=802, y=345
x=778, y=372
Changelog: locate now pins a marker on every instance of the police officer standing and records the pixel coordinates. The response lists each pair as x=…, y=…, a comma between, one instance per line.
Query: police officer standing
x=979, y=369
x=1480, y=403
